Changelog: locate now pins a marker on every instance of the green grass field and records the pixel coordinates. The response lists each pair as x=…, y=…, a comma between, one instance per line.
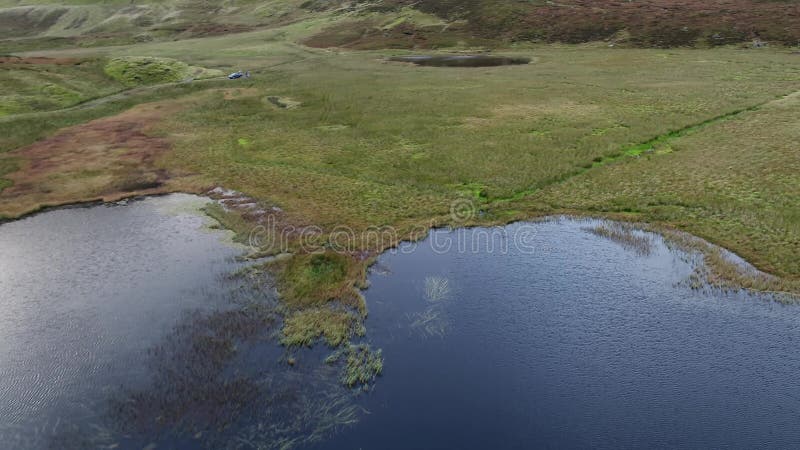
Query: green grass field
x=42, y=87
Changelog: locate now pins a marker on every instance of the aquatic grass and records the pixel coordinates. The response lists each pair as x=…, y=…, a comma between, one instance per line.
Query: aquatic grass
x=434, y=320
x=301, y=409
x=430, y=322
x=626, y=235
x=334, y=325
x=437, y=289
x=201, y=392
x=361, y=364
x=721, y=269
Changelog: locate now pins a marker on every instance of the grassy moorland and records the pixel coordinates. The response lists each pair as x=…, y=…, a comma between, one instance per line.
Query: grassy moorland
x=700, y=140
x=35, y=85
x=735, y=183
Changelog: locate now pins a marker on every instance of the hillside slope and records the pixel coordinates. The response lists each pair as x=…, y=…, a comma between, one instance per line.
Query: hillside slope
x=649, y=22
x=640, y=23
x=41, y=24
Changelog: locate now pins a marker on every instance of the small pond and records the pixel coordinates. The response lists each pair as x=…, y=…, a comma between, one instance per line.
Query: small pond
x=461, y=60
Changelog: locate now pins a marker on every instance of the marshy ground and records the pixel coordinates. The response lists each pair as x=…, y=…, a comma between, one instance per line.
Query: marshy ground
x=702, y=141
x=695, y=140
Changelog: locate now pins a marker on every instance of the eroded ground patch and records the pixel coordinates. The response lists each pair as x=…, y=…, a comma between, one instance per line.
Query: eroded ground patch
x=104, y=159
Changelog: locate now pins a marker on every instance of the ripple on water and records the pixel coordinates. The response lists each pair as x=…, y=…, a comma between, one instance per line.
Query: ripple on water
x=85, y=291
x=577, y=341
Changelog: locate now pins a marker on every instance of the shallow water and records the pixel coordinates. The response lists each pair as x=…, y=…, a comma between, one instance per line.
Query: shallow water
x=84, y=292
x=571, y=341
x=135, y=326
x=460, y=60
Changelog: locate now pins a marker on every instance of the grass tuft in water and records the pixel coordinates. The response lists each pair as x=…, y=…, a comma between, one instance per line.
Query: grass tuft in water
x=433, y=320
x=437, y=289
x=625, y=235
x=361, y=364
x=335, y=325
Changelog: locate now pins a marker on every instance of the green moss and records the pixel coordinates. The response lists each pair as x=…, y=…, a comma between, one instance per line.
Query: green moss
x=477, y=191
x=314, y=279
x=61, y=95
x=143, y=70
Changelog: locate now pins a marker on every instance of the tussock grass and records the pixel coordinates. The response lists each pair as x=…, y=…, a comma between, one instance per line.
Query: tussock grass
x=20, y=130
x=318, y=278
x=334, y=325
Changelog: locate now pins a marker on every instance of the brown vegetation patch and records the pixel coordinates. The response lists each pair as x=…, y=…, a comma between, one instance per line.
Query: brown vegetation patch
x=369, y=35
x=659, y=23
x=105, y=159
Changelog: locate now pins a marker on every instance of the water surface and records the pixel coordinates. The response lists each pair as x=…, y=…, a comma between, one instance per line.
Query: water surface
x=576, y=343
x=461, y=60
x=84, y=292
x=124, y=327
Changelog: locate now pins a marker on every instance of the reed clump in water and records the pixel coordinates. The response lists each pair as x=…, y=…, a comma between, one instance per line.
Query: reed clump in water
x=190, y=389
x=202, y=390
x=361, y=364
x=626, y=235
x=335, y=325
x=437, y=289
x=720, y=269
x=434, y=320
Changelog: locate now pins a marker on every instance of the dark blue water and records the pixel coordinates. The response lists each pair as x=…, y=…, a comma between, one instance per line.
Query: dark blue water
x=576, y=343
x=124, y=327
